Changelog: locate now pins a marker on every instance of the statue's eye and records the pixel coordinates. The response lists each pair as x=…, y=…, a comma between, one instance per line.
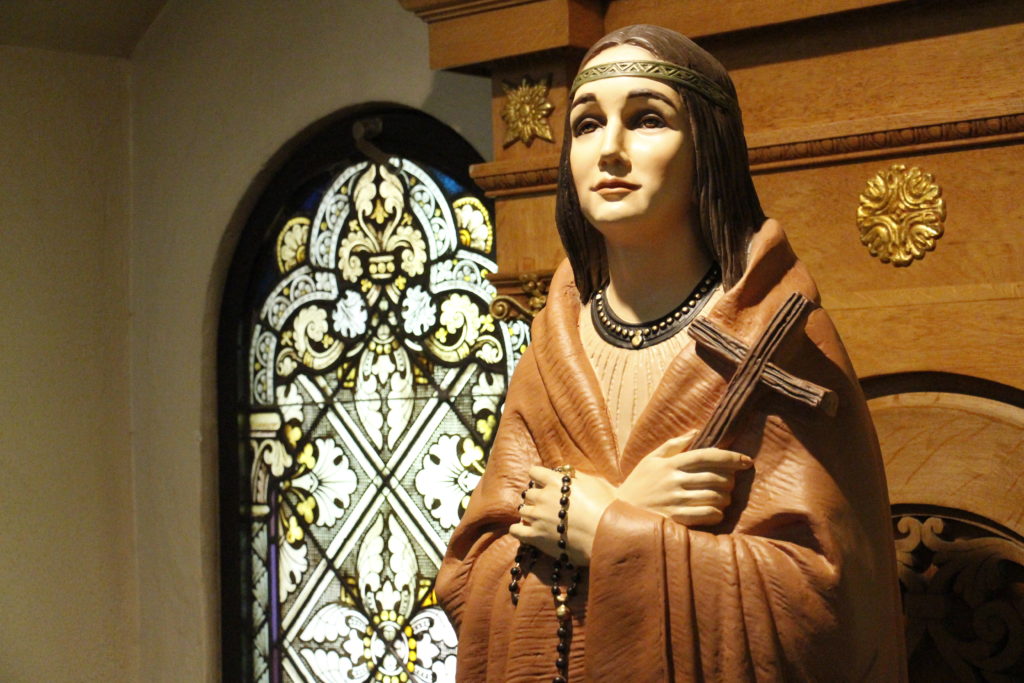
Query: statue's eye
x=584, y=126
x=651, y=120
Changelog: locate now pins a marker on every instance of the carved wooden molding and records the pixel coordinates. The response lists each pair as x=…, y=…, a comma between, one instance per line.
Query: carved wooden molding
x=700, y=18
x=439, y=10
x=892, y=141
x=500, y=179
x=519, y=295
x=961, y=580
x=504, y=178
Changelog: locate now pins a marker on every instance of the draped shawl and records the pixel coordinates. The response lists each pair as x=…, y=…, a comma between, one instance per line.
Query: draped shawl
x=798, y=582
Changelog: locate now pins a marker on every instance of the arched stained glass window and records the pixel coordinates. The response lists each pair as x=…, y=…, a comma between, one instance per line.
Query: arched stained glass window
x=367, y=383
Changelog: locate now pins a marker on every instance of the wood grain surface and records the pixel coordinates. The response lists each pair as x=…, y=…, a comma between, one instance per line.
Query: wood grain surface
x=953, y=450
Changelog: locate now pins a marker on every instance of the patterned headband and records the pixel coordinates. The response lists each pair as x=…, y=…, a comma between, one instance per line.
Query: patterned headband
x=661, y=71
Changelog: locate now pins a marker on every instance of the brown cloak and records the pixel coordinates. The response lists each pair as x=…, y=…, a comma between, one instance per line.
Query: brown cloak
x=798, y=583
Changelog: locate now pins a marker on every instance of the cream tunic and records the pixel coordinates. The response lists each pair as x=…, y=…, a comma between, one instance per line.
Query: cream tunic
x=628, y=377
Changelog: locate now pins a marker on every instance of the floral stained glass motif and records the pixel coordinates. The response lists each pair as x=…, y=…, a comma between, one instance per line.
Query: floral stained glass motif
x=375, y=375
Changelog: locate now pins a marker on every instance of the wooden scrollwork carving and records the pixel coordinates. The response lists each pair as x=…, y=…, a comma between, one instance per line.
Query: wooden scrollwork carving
x=963, y=596
x=526, y=303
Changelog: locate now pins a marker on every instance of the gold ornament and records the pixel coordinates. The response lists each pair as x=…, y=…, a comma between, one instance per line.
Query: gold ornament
x=526, y=111
x=659, y=71
x=901, y=215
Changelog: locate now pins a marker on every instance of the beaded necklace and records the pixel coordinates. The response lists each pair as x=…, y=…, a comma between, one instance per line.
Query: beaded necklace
x=618, y=332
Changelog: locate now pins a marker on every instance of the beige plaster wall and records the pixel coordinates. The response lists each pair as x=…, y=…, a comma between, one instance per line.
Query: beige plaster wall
x=67, y=565
x=217, y=89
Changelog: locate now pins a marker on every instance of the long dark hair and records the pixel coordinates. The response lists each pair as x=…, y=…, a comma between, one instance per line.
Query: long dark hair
x=728, y=207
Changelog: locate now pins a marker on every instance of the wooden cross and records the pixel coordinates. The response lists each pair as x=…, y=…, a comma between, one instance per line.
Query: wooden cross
x=755, y=367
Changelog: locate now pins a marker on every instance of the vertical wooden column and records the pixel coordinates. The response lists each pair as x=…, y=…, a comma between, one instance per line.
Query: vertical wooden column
x=530, y=49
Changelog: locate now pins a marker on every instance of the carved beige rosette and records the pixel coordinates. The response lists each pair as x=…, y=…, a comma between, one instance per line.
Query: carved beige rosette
x=901, y=215
x=526, y=111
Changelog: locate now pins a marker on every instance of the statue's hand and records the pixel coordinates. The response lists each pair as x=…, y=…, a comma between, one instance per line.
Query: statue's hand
x=588, y=498
x=689, y=487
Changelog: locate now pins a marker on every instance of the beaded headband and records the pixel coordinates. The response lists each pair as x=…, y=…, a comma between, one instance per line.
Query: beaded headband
x=660, y=71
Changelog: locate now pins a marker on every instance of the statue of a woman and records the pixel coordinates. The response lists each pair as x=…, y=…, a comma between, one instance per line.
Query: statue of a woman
x=767, y=558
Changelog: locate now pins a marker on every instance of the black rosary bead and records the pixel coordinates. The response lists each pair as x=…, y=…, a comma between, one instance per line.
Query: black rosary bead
x=562, y=610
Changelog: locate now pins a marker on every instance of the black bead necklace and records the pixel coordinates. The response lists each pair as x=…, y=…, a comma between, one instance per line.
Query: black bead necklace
x=618, y=332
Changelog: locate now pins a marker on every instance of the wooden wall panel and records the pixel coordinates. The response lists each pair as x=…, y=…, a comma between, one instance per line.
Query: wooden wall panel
x=979, y=339
x=983, y=240
x=960, y=309
x=527, y=237
x=918, y=82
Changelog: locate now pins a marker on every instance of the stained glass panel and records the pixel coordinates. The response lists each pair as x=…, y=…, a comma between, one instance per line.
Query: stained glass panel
x=375, y=378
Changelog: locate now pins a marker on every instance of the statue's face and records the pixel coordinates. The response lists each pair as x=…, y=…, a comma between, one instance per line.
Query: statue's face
x=632, y=152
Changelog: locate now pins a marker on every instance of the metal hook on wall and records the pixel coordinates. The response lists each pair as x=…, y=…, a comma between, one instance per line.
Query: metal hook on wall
x=363, y=131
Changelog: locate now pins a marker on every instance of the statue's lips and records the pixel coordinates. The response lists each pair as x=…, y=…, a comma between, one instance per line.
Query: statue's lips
x=608, y=187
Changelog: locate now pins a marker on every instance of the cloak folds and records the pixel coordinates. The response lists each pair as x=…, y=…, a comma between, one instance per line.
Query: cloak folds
x=798, y=583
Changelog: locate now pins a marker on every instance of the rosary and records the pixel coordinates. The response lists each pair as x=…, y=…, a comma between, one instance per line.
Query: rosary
x=562, y=611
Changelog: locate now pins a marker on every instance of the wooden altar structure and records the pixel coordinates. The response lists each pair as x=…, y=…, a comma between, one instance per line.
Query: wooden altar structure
x=858, y=113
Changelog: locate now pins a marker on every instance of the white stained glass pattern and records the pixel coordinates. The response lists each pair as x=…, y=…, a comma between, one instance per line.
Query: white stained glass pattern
x=376, y=375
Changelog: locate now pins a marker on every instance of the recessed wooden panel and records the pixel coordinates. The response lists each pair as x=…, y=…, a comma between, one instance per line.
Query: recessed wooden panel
x=527, y=237
x=953, y=450
x=983, y=241
x=977, y=338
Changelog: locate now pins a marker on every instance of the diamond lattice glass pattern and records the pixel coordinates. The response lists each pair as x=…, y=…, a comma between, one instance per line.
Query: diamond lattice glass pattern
x=376, y=375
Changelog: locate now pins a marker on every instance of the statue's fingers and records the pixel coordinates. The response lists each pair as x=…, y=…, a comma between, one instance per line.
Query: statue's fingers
x=528, y=514
x=709, y=479
x=542, y=476
x=713, y=458
x=674, y=445
x=702, y=497
x=520, y=532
